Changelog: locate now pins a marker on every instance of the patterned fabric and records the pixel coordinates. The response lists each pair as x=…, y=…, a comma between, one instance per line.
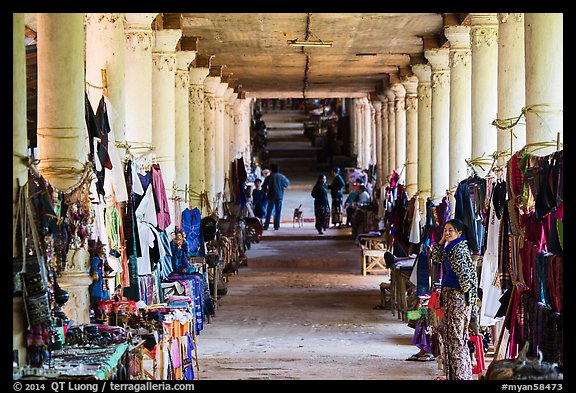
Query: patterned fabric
x=461, y=262
x=456, y=355
x=336, y=211
x=322, y=214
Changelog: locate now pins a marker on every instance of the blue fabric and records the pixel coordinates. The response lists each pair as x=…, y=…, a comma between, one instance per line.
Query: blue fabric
x=450, y=279
x=189, y=361
x=274, y=185
x=179, y=261
x=165, y=263
x=260, y=203
x=191, y=226
x=422, y=287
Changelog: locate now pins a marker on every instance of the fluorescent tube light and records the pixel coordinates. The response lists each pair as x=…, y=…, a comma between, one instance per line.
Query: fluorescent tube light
x=323, y=44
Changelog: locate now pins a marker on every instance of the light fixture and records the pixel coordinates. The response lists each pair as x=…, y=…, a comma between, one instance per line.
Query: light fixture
x=321, y=44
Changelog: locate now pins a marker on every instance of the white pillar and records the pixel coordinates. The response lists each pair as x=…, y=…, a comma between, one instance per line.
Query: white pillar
x=378, y=127
x=373, y=138
x=164, y=107
x=410, y=84
x=511, y=83
x=544, y=46
x=384, y=156
x=484, y=42
x=367, y=142
x=19, y=169
x=61, y=132
x=139, y=41
x=228, y=131
x=219, y=137
x=439, y=61
x=460, y=103
x=424, y=73
x=198, y=167
x=391, y=130
x=182, y=118
x=400, y=110
x=61, y=125
x=211, y=84
x=244, y=119
x=233, y=140
x=105, y=49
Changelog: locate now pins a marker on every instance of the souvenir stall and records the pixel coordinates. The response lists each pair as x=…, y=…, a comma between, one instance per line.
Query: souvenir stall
x=529, y=250
x=149, y=296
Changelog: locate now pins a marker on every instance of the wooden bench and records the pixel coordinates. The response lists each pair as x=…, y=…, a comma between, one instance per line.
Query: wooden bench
x=373, y=261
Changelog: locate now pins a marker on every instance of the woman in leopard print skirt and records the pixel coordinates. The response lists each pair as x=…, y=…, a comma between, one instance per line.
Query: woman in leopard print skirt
x=458, y=297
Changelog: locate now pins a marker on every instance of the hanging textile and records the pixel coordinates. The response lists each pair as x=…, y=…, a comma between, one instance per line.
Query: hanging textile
x=191, y=225
x=114, y=182
x=162, y=207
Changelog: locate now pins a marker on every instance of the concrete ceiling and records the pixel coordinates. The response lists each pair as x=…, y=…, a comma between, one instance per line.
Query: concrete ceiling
x=366, y=48
x=369, y=49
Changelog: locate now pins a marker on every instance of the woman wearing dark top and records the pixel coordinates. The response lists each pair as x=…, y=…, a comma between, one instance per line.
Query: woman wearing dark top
x=321, y=205
x=259, y=200
x=458, y=297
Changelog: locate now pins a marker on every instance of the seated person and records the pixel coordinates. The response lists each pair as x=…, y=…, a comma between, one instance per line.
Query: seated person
x=349, y=204
x=363, y=196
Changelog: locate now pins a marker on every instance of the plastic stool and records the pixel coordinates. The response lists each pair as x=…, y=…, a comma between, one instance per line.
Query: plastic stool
x=479, y=350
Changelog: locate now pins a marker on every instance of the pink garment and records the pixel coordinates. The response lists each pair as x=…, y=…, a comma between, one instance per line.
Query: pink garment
x=175, y=353
x=162, y=209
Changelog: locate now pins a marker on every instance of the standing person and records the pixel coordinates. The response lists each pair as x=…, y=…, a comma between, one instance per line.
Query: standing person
x=259, y=200
x=274, y=186
x=321, y=205
x=350, y=204
x=458, y=297
x=336, y=192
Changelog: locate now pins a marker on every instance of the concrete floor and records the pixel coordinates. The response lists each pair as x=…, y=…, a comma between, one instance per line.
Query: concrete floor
x=302, y=310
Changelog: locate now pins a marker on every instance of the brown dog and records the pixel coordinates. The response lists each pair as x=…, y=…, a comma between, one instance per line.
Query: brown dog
x=297, y=218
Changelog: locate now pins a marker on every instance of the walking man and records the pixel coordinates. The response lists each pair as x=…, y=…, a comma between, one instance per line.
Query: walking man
x=274, y=186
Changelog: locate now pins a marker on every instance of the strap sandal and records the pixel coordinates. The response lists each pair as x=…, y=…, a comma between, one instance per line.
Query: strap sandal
x=413, y=358
x=426, y=358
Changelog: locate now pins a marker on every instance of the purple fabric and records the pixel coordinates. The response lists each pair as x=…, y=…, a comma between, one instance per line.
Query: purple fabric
x=162, y=209
x=420, y=338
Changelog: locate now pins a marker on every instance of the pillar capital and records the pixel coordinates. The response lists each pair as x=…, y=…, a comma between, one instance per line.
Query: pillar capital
x=183, y=59
x=410, y=84
x=211, y=84
x=377, y=105
x=423, y=72
x=197, y=75
x=166, y=40
x=104, y=18
x=483, y=29
x=139, y=20
x=398, y=90
x=221, y=90
x=458, y=36
x=438, y=59
x=512, y=17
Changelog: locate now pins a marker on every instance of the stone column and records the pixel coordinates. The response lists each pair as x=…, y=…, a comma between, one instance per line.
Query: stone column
x=228, y=131
x=182, y=118
x=424, y=73
x=439, y=61
x=61, y=132
x=220, y=165
x=511, y=83
x=211, y=84
x=378, y=127
x=244, y=118
x=164, y=107
x=460, y=104
x=484, y=42
x=544, y=45
x=391, y=130
x=373, y=137
x=357, y=130
x=233, y=140
x=367, y=142
x=410, y=84
x=105, y=49
x=198, y=136
x=19, y=169
x=139, y=41
x=384, y=156
x=400, y=109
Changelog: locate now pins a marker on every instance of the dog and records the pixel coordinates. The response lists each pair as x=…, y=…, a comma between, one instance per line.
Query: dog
x=297, y=218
